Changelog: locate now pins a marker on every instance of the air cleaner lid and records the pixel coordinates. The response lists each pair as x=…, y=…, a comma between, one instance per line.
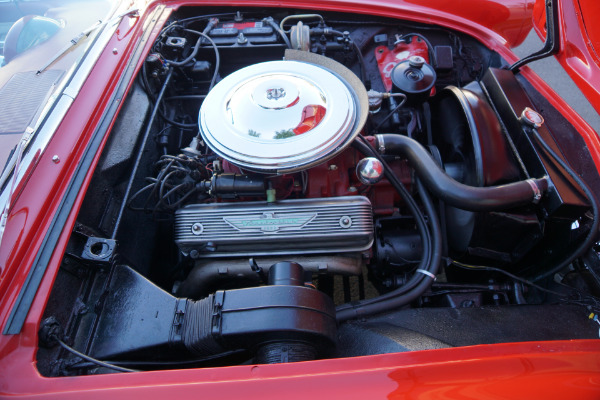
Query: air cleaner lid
x=279, y=116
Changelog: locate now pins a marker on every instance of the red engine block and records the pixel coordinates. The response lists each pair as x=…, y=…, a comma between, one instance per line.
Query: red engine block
x=337, y=177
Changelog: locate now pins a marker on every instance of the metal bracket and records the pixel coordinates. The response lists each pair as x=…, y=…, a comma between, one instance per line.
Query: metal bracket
x=99, y=249
x=177, y=328
x=552, y=44
x=89, y=249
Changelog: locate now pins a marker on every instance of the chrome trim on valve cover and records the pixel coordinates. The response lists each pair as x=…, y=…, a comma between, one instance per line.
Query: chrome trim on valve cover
x=302, y=226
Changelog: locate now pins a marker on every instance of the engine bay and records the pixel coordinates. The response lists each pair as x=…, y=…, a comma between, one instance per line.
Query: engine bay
x=286, y=186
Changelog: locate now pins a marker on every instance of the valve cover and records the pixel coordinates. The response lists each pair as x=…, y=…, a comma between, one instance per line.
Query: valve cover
x=337, y=224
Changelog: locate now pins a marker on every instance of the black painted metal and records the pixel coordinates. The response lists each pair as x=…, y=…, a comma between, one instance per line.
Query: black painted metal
x=138, y=318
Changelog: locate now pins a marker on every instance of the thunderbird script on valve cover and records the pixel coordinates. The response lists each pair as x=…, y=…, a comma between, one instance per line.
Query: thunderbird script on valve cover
x=291, y=184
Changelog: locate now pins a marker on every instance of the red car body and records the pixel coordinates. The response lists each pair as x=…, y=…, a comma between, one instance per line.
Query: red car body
x=557, y=369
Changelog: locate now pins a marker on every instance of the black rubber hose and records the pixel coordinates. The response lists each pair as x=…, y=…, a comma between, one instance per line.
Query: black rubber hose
x=432, y=58
x=364, y=147
x=592, y=235
x=415, y=211
x=432, y=252
x=417, y=285
x=490, y=198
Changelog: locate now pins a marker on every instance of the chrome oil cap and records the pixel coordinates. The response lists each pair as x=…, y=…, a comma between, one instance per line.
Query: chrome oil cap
x=279, y=116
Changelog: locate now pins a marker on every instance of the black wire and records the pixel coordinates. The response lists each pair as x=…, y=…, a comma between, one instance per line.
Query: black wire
x=391, y=112
x=359, y=56
x=432, y=59
x=180, y=23
x=361, y=63
x=146, y=83
x=174, y=165
x=187, y=97
x=162, y=189
x=512, y=276
x=217, y=55
x=585, y=299
x=172, y=191
x=136, y=194
x=183, y=198
x=593, y=232
x=159, y=178
x=417, y=284
x=148, y=90
x=281, y=33
x=164, y=363
x=93, y=360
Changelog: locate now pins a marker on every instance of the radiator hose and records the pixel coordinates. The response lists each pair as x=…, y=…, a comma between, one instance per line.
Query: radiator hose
x=454, y=193
x=431, y=239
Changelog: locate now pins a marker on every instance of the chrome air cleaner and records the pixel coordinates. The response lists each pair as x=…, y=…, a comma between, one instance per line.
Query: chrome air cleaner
x=280, y=116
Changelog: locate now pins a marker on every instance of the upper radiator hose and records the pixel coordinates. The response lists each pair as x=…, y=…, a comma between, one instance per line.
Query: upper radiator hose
x=455, y=193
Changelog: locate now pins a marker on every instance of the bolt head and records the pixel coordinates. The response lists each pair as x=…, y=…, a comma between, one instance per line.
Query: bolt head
x=55, y=159
x=197, y=229
x=345, y=222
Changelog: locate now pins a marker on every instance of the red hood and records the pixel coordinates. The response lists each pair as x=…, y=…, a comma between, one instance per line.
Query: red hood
x=579, y=42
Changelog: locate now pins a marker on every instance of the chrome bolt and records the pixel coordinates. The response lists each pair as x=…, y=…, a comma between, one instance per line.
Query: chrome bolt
x=197, y=229
x=115, y=51
x=55, y=159
x=345, y=222
x=369, y=170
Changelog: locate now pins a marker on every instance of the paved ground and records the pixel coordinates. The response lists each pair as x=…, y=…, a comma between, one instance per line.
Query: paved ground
x=551, y=71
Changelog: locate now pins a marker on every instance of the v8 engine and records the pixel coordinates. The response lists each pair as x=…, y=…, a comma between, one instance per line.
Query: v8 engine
x=276, y=182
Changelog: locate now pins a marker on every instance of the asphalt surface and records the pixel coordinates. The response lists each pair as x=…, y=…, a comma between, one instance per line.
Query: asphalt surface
x=551, y=71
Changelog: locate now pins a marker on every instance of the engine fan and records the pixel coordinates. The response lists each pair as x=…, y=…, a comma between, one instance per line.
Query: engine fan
x=473, y=149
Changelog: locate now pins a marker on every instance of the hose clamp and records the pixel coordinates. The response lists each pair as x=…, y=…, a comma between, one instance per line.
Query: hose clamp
x=380, y=144
x=425, y=272
x=537, y=193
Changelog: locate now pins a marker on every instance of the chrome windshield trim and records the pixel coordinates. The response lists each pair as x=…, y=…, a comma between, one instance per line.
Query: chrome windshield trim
x=59, y=104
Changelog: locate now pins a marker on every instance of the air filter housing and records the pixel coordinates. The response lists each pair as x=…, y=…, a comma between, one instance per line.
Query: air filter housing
x=280, y=116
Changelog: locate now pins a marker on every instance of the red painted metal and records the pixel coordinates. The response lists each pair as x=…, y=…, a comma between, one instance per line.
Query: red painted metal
x=579, y=43
x=387, y=59
x=561, y=369
x=337, y=177
x=552, y=370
